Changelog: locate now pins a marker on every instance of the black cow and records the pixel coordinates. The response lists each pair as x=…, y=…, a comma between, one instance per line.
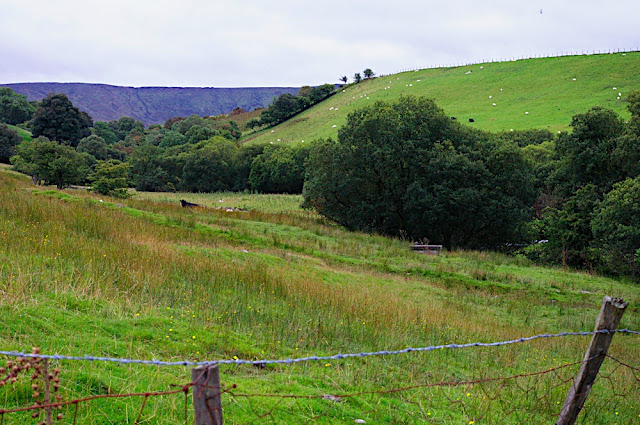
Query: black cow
x=186, y=204
x=472, y=120
x=454, y=118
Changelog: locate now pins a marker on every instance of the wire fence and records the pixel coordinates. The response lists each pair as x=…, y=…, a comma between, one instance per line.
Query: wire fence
x=250, y=394
x=516, y=58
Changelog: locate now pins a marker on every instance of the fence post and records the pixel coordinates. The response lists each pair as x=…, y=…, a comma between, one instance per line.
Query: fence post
x=610, y=314
x=207, y=400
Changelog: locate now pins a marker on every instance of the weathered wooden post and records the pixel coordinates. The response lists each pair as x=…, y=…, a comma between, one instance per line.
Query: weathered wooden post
x=610, y=314
x=207, y=400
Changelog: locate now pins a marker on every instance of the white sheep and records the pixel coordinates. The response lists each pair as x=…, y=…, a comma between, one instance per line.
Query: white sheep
x=615, y=88
x=334, y=126
x=490, y=97
x=526, y=113
x=574, y=79
x=494, y=104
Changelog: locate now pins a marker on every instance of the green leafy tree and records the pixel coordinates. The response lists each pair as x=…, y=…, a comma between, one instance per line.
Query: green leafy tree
x=570, y=234
x=279, y=169
x=368, y=73
x=321, y=92
x=357, y=77
x=14, y=108
x=210, y=169
x=9, y=138
x=125, y=125
x=343, y=79
x=616, y=228
x=94, y=145
x=57, y=119
x=50, y=162
x=103, y=130
x=146, y=169
x=110, y=178
x=282, y=108
x=586, y=153
x=406, y=168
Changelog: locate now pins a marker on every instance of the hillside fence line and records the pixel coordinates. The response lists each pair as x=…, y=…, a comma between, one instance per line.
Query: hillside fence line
x=207, y=393
x=516, y=58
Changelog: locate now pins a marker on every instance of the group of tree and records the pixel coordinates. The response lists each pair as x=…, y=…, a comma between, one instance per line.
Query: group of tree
x=406, y=169
x=403, y=169
x=287, y=105
x=357, y=77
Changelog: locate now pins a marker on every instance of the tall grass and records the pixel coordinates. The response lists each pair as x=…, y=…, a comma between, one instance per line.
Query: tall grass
x=82, y=274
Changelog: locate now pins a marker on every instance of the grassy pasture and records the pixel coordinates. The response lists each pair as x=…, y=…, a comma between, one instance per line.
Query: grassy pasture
x=25, y=134
x=543, y=87
x=145, y=278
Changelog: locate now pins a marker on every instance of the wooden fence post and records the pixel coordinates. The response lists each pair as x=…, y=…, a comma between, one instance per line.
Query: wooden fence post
x=610, y=314
x=207, y=400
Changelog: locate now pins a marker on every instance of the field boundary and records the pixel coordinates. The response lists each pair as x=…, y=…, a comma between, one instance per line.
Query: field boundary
x=155, y=362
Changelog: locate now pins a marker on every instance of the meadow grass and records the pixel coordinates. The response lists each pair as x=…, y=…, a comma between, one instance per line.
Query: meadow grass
x=145, y=278
x=543, y=87
x=25, y=134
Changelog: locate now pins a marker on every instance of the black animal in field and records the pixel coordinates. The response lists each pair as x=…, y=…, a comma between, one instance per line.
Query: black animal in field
x=472, y=120
x=454, y=118
x=186, y=204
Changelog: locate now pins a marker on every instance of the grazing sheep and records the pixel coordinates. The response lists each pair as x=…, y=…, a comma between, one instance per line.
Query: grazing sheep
x=494, y=104
x=526, y=113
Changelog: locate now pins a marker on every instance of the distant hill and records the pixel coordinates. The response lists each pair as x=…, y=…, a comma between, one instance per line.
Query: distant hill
x=499, y=96
x=153, y=105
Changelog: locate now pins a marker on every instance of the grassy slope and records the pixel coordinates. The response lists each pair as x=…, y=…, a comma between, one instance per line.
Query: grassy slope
x=542, y=87
x=25, y=134
x=152, y=280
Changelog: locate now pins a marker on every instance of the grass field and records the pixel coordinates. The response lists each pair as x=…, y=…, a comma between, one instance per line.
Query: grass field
x=145, y=278
x=543, y=87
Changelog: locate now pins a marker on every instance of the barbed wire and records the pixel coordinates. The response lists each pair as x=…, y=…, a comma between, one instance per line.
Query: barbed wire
x=487, y=407
x=309, y=358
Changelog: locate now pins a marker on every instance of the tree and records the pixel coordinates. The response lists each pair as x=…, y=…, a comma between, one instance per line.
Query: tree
x=14, y=108
x=9, y=138
x=368, y=73
x=210, y=169
x=279, y=169
x=343, y=79
x=406, y=168
x=357, y=77
x=125, y=125
x=110, y=178
x=282, y=108
x=586, y=154
x=570, y=234
x=616, y=228
x=94, y=145
x=50, y=162
x=147, y=172
x=57, y=119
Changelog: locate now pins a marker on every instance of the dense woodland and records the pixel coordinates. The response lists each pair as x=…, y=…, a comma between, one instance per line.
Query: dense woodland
x=403, y=169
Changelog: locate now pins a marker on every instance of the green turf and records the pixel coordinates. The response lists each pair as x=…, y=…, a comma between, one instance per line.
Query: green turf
x=25, y=134
x=145, y=278
x=543, y=87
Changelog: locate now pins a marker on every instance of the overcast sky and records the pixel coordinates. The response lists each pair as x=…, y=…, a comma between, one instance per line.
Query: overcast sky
x=215, y=43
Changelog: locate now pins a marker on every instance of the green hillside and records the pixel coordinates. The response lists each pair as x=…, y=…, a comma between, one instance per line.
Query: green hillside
x=144, y=278
x=543, y=87
x=25, y=134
